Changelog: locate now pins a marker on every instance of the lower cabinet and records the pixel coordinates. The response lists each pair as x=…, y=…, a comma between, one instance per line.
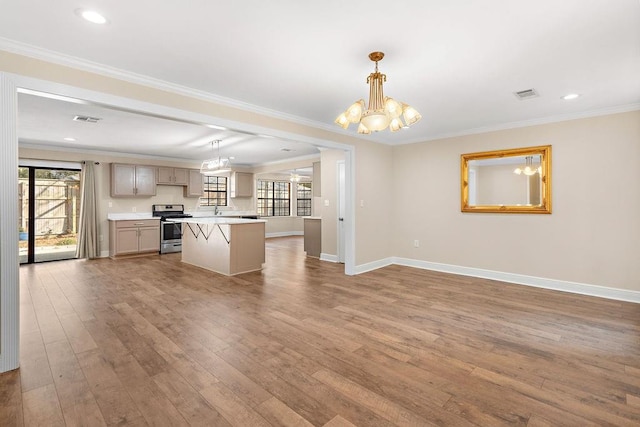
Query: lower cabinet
x=313, y=237
x=130, y=237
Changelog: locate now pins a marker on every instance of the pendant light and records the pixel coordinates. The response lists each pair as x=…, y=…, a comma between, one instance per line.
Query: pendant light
x=216, y=165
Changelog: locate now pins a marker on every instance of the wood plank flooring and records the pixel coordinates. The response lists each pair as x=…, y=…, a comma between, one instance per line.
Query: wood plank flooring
x=150, y=341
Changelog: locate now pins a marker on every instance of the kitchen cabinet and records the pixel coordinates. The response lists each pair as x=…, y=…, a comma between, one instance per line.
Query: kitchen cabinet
x=316, y=188
x=132, y=180
x=241, y=184
x=227, y=246
x=313, y=236
x=132, y=237
x=172, y=176
x=194, y=186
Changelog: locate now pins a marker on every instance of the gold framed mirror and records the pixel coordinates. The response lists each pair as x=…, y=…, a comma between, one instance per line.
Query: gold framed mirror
x=507, y=181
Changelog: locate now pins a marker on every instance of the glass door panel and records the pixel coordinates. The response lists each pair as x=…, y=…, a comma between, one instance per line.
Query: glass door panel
x=49, y=209
x=57, y=211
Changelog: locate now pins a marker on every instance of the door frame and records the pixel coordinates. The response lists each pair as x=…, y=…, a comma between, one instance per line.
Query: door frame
x=340, y=191
x=31, y=241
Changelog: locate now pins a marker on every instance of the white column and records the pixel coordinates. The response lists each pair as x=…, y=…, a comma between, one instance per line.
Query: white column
x=9, y=267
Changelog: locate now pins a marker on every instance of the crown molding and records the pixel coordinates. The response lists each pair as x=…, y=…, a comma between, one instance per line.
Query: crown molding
x=36, y=52
x=88, y=151
x=290, y=160
x=34, y=145
x=532, y=122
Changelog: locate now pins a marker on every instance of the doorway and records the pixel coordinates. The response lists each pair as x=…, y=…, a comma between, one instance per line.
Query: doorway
x=48, y=213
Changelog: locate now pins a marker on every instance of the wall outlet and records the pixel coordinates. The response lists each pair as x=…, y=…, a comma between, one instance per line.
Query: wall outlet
x=416, y=243
x=133, y=209
x=326, y=202
x=362, y=203
x=110, y=204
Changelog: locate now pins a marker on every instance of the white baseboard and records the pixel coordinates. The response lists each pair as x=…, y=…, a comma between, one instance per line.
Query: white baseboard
x=284, y=234
x=328, y=257
x=374, y=265
x=520, y=279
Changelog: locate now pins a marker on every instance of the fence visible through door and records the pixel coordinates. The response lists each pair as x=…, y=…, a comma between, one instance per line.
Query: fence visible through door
x=48, y=213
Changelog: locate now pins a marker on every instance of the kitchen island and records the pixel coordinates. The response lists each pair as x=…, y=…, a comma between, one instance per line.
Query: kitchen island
x=227, y=246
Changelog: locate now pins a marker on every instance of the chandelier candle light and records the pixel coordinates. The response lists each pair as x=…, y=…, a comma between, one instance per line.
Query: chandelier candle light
x=294, y=176
x=529, y=167
x=215, y=166
x=383, y=111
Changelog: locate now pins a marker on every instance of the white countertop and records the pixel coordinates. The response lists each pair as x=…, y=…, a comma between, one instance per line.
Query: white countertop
x=209, y=214
x=196, y=214
x=129, y=216
x=217, y=220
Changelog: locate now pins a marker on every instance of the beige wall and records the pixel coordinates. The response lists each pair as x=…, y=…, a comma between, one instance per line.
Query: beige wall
x=284, y=225
x=592, y=235
x=374, y=202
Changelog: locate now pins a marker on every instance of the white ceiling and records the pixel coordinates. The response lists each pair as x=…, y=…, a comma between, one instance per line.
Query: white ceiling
x=458, y=62
x=45, y=121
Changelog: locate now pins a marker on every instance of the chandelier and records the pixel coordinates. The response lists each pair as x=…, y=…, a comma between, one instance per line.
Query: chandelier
x=528, y=168
x=382, y=112
x=216, y=165
x=294, y=177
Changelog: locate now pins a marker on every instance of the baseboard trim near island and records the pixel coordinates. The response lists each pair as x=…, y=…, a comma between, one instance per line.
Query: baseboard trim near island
x=284, y=234
x=518, y=279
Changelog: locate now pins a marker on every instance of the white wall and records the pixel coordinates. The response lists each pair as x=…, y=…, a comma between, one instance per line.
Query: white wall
x=592, y=235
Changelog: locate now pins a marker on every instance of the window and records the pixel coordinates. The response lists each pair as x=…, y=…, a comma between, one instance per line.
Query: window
x=303, y=198
x=273, y=198
x=215, y=191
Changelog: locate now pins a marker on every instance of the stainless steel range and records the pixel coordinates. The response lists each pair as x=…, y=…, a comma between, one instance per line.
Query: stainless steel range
x=170, y=232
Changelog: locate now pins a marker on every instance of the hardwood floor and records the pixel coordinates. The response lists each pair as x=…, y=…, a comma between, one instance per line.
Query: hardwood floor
x=150, y=341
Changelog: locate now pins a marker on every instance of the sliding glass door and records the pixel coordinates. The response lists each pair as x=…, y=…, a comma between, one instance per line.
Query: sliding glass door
x=49, y=208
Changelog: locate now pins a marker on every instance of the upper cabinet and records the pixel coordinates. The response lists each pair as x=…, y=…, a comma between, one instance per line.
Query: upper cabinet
x=132, y=180
x=194, y=186
x=241, y=184
x=172, y=176
x=317, y=191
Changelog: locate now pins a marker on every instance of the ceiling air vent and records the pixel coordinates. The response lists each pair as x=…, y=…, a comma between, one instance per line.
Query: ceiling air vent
x=86, y=119
x=526, y=94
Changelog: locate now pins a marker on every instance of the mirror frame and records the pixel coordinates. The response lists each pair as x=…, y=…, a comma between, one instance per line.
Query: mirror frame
x=544, y=151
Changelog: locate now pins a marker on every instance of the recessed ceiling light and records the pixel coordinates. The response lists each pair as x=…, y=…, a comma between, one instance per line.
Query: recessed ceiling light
x=571, y=96
x=231, y=158
x=216, y=127
x=69, y=139
x=91, y=16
